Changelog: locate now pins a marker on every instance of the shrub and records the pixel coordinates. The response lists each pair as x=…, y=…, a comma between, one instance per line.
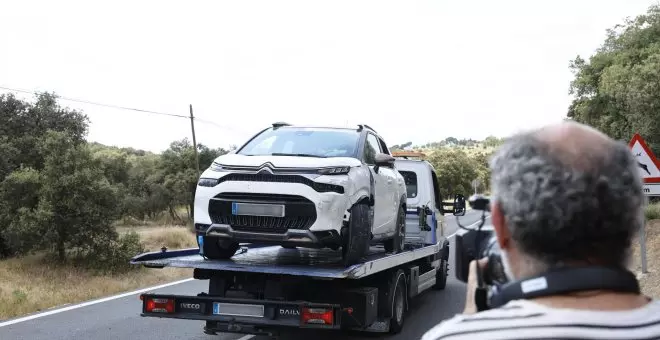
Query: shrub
x=652, y=211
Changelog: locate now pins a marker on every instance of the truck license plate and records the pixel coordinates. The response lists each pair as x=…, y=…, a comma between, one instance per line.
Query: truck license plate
x=253, y=209
x=237, y=309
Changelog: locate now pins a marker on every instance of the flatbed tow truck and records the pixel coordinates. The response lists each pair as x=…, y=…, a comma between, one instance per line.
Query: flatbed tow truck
x=264, y=289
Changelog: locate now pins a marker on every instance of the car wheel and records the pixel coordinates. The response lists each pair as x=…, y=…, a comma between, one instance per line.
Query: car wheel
x=398, y=307
x=396, y=244
x=355, y=237
x=441, y=275
x=215, y=249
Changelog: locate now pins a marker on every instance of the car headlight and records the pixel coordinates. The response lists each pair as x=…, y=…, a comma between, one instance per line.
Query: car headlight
x=337, y=170
x=217, y=167
x=207, y=182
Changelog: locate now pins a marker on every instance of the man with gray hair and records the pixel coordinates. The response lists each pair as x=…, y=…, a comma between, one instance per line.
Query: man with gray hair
x=565, y=195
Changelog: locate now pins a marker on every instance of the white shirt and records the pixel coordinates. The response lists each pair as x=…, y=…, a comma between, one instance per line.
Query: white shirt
x=522, y=319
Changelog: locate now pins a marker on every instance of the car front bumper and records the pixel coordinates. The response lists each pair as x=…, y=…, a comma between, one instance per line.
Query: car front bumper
x=330, y=209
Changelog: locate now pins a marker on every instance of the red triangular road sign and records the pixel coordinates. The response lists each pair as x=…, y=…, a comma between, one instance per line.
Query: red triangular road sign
x=649, y=166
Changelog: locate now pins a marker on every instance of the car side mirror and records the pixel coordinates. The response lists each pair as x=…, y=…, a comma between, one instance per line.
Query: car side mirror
x=459, y=205
x=383, y=160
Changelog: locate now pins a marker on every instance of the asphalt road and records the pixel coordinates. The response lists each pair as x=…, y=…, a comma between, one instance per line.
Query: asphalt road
x=118, y=318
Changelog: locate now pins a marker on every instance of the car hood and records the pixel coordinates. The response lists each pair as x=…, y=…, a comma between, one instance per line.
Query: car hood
x=285, y=161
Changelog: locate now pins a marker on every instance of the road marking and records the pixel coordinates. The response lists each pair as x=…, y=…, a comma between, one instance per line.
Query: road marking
x=246, y=337
x=93, y=302
x=470, y=226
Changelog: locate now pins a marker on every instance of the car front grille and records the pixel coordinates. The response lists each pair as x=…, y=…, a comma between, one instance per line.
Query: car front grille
x=272, y=178
x=300, y=213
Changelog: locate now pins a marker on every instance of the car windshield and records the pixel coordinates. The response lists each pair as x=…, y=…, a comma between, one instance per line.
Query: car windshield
x=310, y=142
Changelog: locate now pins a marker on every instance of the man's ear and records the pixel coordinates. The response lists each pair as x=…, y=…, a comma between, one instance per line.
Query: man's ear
x=499, y=223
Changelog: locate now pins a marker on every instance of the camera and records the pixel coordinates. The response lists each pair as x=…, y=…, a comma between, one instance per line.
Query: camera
x=476, y=243
x=493, y=288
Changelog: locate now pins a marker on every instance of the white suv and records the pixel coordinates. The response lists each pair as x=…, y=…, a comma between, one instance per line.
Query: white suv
x=312, y=187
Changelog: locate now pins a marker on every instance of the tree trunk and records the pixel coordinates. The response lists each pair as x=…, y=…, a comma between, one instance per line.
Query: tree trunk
x=173, y=213
x=61, y=251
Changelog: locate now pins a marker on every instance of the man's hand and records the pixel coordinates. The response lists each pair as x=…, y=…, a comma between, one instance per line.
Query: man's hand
x=472, y=284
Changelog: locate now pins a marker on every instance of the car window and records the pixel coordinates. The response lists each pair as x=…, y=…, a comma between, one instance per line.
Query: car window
x=383, y=146
x=371, y=148
x=322, y=142
x=411, y=183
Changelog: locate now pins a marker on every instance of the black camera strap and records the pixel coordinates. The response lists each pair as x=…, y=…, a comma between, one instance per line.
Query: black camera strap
x=565, y=280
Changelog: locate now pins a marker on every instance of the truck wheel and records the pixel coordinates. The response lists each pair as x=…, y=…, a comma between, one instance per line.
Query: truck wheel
x=355, y=237
x=441, y=275
x=398, y=306
x=396, y=243
x=216, y=249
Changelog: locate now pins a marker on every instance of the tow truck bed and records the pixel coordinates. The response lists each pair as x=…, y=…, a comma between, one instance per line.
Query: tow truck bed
x=317, y=263
x=266, y=289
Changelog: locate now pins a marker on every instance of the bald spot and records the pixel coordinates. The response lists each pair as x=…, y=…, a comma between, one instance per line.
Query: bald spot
x=575, y=145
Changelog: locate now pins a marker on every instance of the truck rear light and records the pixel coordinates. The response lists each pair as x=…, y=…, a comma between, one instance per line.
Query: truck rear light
x=159, y=305
x=318, y=316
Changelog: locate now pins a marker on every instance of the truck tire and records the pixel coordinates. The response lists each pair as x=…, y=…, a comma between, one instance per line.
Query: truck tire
x=398, y=292
x=356, y=236
x=441, y=275
x=397, y=243
x=215, y=249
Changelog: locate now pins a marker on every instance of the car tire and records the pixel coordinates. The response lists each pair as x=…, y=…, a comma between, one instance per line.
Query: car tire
x=356, y=236
x=215, y=249
x=398, y=292
x=396, y=244
x=441, y=276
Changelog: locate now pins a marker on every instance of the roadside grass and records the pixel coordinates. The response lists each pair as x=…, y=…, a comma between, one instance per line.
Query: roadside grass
x=30, y=284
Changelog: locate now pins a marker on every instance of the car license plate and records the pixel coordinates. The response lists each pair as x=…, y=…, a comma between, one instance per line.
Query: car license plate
x=237, y=309
x=254, y=209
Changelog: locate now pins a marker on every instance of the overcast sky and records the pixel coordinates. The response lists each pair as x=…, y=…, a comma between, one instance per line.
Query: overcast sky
x=416, y=71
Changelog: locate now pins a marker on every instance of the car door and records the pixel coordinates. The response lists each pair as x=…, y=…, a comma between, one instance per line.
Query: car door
x=381, y=204
x=393, y=179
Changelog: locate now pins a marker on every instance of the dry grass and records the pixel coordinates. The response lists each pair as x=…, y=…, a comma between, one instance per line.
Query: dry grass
x=29, y=285
x=172, y=237
x=650, y=282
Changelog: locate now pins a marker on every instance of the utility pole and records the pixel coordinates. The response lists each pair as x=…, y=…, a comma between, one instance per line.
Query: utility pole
x=192, y=127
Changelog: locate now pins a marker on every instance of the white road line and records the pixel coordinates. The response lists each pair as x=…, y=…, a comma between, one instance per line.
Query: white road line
x=93, y=302
x=470, y=226
x=246, y=337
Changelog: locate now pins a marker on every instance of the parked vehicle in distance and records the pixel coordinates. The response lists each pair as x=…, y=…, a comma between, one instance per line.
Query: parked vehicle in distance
x=302, y=186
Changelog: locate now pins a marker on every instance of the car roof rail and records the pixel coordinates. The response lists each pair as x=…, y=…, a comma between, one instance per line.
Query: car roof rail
x=362, y=126
x=280, y=124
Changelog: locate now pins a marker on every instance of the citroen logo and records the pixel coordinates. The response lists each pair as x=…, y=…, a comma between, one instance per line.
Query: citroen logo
x=266, y=168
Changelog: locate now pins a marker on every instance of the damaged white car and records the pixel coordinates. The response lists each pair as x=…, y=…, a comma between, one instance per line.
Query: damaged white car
x=296, y=186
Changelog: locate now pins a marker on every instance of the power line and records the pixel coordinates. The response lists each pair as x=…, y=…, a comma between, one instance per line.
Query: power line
x=100, y=104
x=124, y=108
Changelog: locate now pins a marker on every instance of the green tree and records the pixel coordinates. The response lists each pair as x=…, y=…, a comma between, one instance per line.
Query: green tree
x=455, y=170
x=68, y=205
x=23, y=123
x=179, y=173
x=481, y=160
x=618, y=89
